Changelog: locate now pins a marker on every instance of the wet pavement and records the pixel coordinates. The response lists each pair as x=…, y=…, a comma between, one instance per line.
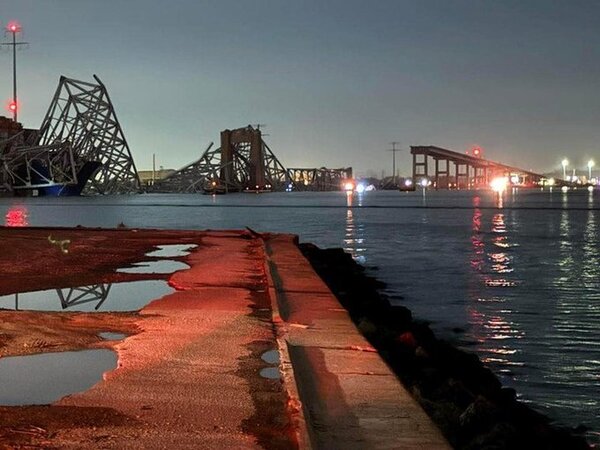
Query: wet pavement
x=250, y=350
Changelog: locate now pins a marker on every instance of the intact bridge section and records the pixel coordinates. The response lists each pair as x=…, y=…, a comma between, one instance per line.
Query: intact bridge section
x=446, y=169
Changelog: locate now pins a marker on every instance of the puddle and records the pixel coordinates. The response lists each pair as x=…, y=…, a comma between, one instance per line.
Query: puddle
x=172, y=251
x=47, y=377
x=271, y=357
x=129, y=296
x=271, y=373
x=166, y=266
x=110, y=336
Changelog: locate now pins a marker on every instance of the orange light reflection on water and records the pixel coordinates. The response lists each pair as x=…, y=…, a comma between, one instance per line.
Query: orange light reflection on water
x=491, y=261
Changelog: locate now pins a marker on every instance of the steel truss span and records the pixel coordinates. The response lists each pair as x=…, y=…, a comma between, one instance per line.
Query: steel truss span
x=321, y=179
x=244, y=162
x=79, y=147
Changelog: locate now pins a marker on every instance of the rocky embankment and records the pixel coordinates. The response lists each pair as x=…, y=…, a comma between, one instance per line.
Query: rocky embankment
x=463, y=397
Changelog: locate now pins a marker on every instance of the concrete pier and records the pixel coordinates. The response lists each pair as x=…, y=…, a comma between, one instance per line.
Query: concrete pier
x=188, y=376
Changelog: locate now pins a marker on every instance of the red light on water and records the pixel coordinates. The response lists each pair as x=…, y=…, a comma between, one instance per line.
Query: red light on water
x=16, y=217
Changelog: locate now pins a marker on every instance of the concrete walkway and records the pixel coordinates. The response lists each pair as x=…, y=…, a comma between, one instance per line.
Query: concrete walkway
x=350, y=398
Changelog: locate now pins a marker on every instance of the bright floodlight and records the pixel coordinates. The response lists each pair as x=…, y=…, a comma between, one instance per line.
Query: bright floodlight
x=407, y=182
x=565, y=162
x=360, y=188
x=424, y=182
x=349, y=186
x=591, y=163
x=551, y=181
x=499, y=184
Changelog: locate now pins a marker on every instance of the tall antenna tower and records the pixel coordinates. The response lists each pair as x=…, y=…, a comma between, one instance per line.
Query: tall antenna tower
x=394, y=150
x=14, y=28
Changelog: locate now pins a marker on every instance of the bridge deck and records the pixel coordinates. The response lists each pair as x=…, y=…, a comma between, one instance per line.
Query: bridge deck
x=469, y=170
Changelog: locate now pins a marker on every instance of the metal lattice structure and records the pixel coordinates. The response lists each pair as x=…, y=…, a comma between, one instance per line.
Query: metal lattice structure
x=80, y=147
x=82, y=114
x=40, y=166
x=321, y=179
x=194, y=177
x=76, y=296
x=242, y=162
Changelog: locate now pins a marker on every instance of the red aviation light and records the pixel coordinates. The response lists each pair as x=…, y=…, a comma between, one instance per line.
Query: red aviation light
x=12, y=106
x=477, y=152
x=13, y=27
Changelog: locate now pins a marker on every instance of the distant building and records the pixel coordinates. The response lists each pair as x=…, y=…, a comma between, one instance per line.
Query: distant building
x=149, y=177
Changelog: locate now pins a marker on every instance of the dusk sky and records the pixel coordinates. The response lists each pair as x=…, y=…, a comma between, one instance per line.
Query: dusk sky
x=334, y=81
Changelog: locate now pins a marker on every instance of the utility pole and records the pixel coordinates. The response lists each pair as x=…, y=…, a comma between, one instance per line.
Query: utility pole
x=394, y=150
x=14, y=28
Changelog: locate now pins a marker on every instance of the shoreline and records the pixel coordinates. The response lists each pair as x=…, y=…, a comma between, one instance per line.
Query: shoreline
x=464, y=398
x=243, y=294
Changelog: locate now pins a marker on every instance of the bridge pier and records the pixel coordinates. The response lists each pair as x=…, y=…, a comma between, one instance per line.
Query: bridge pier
x=419, y=167
x=445, y=172
x=469, y=171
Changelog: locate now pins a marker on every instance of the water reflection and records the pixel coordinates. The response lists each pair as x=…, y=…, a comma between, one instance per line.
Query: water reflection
x=16, y=216
x=499, y=200
x=128, y=296
x=492, y=327
x=25, y=379
x=354, y=242
x=571, y=368
x=477, y=259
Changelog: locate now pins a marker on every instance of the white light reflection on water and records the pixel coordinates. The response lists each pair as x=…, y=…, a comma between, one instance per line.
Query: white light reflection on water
x=354, y=242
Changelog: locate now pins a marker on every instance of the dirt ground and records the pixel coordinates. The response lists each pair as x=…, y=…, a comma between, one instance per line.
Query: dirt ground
x=39, y=259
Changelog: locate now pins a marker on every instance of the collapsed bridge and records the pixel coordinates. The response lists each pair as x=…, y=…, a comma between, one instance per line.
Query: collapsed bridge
x=244, y=162
x=80, y=147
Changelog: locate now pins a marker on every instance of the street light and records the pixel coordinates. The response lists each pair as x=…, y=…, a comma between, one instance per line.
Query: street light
x=565, y=163
x=590, y=164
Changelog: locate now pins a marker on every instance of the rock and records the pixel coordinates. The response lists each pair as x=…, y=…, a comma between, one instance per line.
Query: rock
x=366, y=326
x=480, y=414
x=421, y=353
x=407, y=339
x=501, y=436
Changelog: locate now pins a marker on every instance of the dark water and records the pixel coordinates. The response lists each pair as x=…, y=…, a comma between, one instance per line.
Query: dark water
x=518, y=275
